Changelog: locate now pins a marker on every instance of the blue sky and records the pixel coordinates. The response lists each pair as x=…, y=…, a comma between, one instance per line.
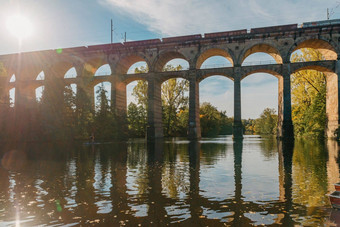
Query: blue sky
x=65, y=23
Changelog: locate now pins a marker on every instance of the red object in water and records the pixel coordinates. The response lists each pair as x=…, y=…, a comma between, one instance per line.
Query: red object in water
x=337, y=186
x=334, y=197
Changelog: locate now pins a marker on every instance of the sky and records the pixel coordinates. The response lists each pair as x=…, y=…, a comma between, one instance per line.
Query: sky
x=65, y=23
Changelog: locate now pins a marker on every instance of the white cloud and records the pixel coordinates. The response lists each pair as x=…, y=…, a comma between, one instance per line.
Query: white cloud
x=181, y=17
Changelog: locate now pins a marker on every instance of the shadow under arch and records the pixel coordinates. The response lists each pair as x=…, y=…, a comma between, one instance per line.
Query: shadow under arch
x=211, y=74
x=318, y=68
x=211, y=53
x=165, y=57
x=261, y=70
x=57, y=70
x=91, y=66
x=124, y=64
x=261, y=48
x=326, y=48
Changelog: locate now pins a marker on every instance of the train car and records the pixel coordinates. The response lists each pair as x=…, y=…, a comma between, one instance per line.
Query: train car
x=225, y=34
x=143, y=42
x=274, y=28
x=320, y=23
x=182, y=38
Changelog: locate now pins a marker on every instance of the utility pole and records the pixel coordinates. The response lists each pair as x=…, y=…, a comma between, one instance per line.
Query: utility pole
x=111, y=31
x=327, y=14
x=331, y=11
x=125, y=37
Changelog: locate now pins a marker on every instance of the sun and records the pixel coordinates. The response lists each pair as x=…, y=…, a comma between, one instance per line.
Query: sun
x=19, y=26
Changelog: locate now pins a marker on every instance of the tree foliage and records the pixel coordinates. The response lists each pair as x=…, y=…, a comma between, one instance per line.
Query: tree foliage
x=308, y=96
x=267, y=123
x=174, y=100
x=214, y=122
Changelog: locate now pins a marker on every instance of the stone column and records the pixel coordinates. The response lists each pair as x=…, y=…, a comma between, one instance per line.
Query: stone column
x=85, y=91
x=285, y=125
x=237, y=127
x=155, y=126
x=24, y=110
x=4, y=96
x=332, y=102
x=118, y=95
x=194, y=127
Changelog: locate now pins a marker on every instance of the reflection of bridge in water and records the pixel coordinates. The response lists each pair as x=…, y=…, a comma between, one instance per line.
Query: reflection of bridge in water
x=279, y=42
x=96, y=186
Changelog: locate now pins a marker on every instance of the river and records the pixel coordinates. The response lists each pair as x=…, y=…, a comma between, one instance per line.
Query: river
x=213, y=182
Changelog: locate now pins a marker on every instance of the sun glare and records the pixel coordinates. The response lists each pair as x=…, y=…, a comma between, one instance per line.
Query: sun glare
x=19, y=26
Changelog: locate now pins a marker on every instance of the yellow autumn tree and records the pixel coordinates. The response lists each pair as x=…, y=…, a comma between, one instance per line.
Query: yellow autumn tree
x=308, y=96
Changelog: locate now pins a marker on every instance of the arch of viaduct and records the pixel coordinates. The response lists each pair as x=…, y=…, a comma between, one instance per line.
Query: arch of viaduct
x=279, y=42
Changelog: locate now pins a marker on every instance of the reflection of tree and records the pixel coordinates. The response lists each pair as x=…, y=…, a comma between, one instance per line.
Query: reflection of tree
x=137, y=161
x=310, y=174
x=332, y=164
x=211, y=152
x=175, y=177
x=156, y=203
x=268, y=147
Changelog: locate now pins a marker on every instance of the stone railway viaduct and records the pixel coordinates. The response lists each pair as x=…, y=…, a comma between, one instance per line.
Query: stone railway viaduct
x=279, y=42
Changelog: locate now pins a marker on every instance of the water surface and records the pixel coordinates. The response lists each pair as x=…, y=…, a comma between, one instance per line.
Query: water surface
x=214, y=182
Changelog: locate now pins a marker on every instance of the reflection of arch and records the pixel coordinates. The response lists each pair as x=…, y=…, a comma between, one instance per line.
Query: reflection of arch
x=126, y=62
x=165, y=58
x=213, y=52
x=264, y=48
x=327, y=49
x=104, y=70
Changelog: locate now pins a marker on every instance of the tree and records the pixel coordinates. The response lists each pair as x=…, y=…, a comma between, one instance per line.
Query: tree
x=210, y=120
x=308, y=96
x=136, y=117
x=267, y=123
x=104, y=124
x=174, y=99
x=137, y=113
x=84, y=114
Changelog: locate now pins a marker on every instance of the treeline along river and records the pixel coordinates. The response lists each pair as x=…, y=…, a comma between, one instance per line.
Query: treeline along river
x=213, y=182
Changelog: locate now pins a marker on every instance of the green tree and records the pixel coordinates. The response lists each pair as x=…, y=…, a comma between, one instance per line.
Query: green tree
x=136, y=117
x=104, y=125
x=210, y=120
x=308, y=96
x=84, y=114
x=137, y=113
x=267, y=123
x=174, y=99
x=226, y=124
